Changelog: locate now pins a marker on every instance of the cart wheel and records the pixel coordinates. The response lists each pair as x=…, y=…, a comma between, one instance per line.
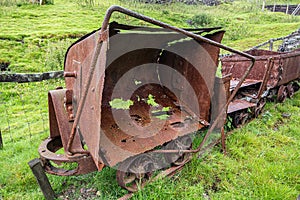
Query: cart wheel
x=282, y=94
x=290, y=90
x=296, y=86
x=259, y=108
x=134, y=173
x=240, y=118
x=182, y=143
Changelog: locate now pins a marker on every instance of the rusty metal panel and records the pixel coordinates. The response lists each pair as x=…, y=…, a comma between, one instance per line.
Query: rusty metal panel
x=285, y=68
x=290, y=65
x=221, y=95
x=197, y=66
x=59, y=122
x=246, y=83
x=60, y=129
x=239, y=104
x=77, y=53
x=236, y=65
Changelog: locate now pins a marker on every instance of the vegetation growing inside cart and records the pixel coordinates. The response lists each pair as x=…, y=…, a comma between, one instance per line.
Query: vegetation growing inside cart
x=119, y=103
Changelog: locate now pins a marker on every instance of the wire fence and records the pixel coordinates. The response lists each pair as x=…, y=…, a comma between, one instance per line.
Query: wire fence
x=24, y=109
x=282, y=44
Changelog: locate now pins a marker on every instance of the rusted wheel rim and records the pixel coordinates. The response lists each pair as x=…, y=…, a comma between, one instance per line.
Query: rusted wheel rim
x=290, y=90
x=135, y=172
x=282, y=93
x=259, y=107
x=240, y=118
x=182, y=143
x=296, y=86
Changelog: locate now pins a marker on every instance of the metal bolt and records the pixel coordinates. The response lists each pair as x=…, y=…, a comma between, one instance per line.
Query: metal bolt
x=70, y=74
x=70, y=108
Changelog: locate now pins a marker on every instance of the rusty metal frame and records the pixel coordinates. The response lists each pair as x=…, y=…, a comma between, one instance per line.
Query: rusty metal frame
x=59, y=133
x=263, y=86
x=103, y=36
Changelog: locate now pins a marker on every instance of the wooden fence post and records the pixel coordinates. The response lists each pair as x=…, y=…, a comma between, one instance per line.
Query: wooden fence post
x=271, y=45
x=263, y=6
x=41, y=178
x=1, y=141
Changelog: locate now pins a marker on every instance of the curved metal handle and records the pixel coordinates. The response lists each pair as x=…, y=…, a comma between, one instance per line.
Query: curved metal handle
x=167, y=26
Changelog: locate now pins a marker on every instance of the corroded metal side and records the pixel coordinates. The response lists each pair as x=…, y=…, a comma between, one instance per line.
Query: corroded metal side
x=60, y=129
x=239, y=104
x=236, y=65
x=59, y=120
x=221, y=95
x=290, y=66
x=285, y=68
x=271, y=69
x=198, y=68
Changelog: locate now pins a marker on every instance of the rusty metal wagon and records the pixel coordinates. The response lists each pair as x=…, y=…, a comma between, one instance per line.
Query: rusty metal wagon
x=165, y=76
x=273, y=75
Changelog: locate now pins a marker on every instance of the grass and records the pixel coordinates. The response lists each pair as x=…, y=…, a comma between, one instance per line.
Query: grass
x=263, y=156
x=29, y=32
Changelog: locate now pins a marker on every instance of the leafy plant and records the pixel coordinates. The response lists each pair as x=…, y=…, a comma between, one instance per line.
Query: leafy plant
x=201, y=20
x=238, y=31
x=55, y=55
x=151, y=101
x=228, y=125
x=120, y=103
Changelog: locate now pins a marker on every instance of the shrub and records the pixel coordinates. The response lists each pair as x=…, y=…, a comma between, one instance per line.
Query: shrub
x=201, y=20
x=55, y=55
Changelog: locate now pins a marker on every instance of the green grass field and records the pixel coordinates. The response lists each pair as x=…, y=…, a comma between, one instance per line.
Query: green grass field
x=263, y=160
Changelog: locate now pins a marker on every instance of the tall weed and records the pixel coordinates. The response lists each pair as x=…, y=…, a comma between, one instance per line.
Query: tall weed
x=238, y=31
x=87, y=3
x=13, y=2
x=55, y=55
x=201, y=20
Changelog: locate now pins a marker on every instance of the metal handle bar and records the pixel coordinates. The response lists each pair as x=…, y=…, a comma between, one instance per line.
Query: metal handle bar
x=164, y=25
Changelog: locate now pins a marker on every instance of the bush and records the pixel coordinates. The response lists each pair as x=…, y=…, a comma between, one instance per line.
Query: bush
x=238, y=31
x=55, y=55
x=201, y=20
